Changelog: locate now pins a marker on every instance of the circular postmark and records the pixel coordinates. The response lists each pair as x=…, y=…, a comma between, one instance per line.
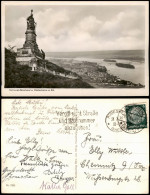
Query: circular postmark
x=123, y=118
x=111, y=120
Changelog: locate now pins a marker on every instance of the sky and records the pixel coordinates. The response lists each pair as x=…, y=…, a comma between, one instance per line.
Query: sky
x=78, y=28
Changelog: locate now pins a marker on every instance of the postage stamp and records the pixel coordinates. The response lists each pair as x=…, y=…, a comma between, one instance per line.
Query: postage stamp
x=136, y=116
x=122, y=122
x=130, y=119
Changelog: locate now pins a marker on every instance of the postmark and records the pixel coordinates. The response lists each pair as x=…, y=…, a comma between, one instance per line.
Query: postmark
x=121, y=118
x=112, y=122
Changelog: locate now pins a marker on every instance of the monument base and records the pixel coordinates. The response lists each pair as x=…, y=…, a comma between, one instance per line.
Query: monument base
x=24, y=60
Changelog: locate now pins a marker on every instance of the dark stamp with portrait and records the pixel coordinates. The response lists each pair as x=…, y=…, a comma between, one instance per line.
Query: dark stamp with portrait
x=136, y=116
x=131, y=119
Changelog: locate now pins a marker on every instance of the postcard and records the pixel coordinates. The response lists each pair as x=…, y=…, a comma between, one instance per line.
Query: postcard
x=75, y=146
x=61, y=48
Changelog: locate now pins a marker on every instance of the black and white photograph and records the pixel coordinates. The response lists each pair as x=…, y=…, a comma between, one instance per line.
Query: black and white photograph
x=75, y=146
x=70, y=45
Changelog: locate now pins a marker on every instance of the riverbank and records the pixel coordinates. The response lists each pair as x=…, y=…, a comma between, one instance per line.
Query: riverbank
x=94, y=73
x=98, y=78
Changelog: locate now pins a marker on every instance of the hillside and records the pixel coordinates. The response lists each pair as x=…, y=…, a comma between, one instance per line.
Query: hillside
x=17, y=76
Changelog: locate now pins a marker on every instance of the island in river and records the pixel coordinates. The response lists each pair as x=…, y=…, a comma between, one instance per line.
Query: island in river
x=125, y=65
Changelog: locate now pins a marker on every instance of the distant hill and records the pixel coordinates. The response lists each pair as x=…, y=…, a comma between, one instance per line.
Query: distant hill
x=135, y=55
x=17, y=76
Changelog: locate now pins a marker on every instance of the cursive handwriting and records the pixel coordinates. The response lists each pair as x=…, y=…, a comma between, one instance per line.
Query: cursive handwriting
x=96, y=150
x=93, y=165
x=12, y=140
x=35, y=147
x=20, y=173
x=88, y=138
x=10, y=155
x=53, y=186
x=54, y=172
x=119, y=151
x=99, y=177
x=57, y=178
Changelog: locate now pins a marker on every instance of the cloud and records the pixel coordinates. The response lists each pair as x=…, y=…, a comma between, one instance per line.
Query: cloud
x=89, y=24
x=113, y=24
x=51, y=22
x=58, y=30
x=132, y=32
x=15, y=28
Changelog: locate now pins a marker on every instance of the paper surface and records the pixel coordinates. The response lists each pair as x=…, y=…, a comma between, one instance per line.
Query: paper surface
x=75, y=146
